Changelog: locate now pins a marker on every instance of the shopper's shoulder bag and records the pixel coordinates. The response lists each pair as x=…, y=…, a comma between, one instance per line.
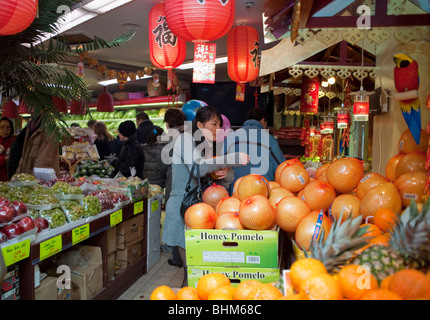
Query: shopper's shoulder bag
x=194, y=195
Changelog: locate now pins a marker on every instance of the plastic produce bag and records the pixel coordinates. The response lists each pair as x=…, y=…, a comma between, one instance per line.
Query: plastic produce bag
x=73, y=210
x=55, y=217
x=91, y=205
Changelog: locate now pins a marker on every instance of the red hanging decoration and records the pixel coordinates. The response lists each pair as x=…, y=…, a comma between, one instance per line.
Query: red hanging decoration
x=77, y=107
x=16, y=15
x=105, y=101
x=23, y=108
x=242, y=52
x=60, y=104
x=200, y=20
x=166, y=50
x=121, y=77
x=309, y=95
x=10, y=110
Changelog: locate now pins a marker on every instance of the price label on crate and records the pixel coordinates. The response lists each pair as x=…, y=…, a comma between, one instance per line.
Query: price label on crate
x=138, y=207
x=50, y=247
x=154, y=206
x=116, y=218
x=16, y=252
x=80, y=233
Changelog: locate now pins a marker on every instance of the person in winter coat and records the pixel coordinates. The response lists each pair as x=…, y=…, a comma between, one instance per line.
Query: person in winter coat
x=39, y=149
x=144, y=127
x=154, y=169
x=7, y=137
x=104, y=142
x=262, y=147
x=131, y=159
x=194, y=146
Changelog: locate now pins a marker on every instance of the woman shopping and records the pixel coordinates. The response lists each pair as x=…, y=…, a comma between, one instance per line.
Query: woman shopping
x=195, y=145
x=6, y=139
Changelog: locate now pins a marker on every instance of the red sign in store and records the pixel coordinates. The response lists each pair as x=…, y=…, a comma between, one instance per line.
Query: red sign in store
x=204, y=63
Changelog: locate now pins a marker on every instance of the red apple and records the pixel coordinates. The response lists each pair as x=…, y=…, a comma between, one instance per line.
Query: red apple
x=4, y=201
x=27, y=223
x=12, y=230
x=41, y=223
x=3, y=237
x=6, y=214
x=20, y=207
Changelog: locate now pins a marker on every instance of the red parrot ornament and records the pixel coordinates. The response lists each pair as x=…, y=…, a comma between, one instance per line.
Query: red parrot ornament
x=406, y=81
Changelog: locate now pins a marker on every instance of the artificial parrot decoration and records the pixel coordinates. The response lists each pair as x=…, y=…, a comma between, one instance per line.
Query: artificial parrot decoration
x=406, y=78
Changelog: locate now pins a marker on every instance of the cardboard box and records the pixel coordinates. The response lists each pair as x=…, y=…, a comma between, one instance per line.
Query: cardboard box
x=126, y=257
x=128, y=231
x=89, y=278
x=236, y=275
x=236, y=248
x=74, y=293
x=47, y=290
x=111, y=240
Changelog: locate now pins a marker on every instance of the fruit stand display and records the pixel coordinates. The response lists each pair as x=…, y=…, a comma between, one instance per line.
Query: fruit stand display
x=40, y=219
x=345, y=226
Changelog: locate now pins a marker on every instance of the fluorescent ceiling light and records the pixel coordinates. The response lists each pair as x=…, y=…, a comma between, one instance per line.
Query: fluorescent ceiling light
x=103, y=6
x=114, y=81
x=190, y=65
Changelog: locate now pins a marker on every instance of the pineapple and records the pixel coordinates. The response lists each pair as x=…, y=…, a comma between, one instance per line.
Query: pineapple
x=409, y=245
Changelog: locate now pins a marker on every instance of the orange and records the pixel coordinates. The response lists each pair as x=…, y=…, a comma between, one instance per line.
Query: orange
x=385, y=283
x=410, y=284
x=302, y=269
x=210, y=282
x=384, y=195
x=265, y=291
x=381, y=294
x=228, y=289
x=162, y=293
x=355, y=281
x=219, y=296
x=372, y=230
x=321, y=286
x=243, y=289
x=297, y=296
x=187, y=293
x=384, y=219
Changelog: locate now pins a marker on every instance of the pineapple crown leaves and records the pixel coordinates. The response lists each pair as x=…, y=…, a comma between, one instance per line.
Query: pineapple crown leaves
x=341, y=242
x=411, y=233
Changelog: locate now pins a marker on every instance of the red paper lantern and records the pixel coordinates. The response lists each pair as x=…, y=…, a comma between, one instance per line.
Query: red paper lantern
x=16, y=15
x=60, y=104
x=342, y=119
x=105, y=101
x=361, y=108
x=166, y=50
x=200, y=20
x=309, y=95
x=10, y=110
x=242, y=53
x=77, y=107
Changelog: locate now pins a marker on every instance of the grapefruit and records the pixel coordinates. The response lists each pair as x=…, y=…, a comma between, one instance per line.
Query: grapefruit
x=229, y=220
x=411, y=185
x=282, y=165
x=390, y=168
x=344, y=174
x=213, y=194
x=294, y=178
x=227, y=204
x=413, y=161
x=321, y=173
x=319, y=195
x=369, y=181
x=276, y=194
x=382, y=196
x=253, y=184
x=349, y=203
x=256, y=213
x=407, y=143
x=310, y=227
x=200, y=216
x=289, y=212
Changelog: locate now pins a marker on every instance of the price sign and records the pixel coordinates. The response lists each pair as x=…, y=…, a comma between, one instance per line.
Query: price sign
x=16, y=252
x=50, y=247
x=154, y=206
x=116, y=218
x=138, y=207
x=80, y=233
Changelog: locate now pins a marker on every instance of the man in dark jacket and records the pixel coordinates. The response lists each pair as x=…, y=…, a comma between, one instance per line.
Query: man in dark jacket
x=144, y=127
x=131, y=159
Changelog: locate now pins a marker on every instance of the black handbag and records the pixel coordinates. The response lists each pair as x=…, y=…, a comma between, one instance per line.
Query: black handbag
x=194, y=195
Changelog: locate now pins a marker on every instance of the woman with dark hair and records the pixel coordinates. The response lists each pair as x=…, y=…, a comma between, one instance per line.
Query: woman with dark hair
x=194, y=146
x=6, y=138
x=104, y=142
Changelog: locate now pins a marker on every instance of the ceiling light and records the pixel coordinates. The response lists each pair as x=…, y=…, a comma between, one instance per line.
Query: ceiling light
x=190, y=65
x=331, y=80
x=103, y=6
x=114, y=81
x=324, y=84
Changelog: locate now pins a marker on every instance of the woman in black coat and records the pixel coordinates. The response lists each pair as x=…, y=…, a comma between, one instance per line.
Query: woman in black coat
x=131, y=159
x=104, y=142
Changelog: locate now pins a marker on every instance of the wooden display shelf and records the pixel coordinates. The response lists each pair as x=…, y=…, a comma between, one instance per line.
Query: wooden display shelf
x=97, y=237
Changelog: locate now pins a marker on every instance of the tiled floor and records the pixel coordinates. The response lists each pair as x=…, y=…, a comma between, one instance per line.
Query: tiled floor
x=160, y=274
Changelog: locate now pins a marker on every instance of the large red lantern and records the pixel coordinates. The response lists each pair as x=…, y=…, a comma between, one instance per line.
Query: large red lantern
x=16, y=15
x=242, y=53
x=200, y=20
x=77, y=107
x=166, y=50
x=60, y=104
x=10, y=110
x=361, y=108
x=105, y=101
